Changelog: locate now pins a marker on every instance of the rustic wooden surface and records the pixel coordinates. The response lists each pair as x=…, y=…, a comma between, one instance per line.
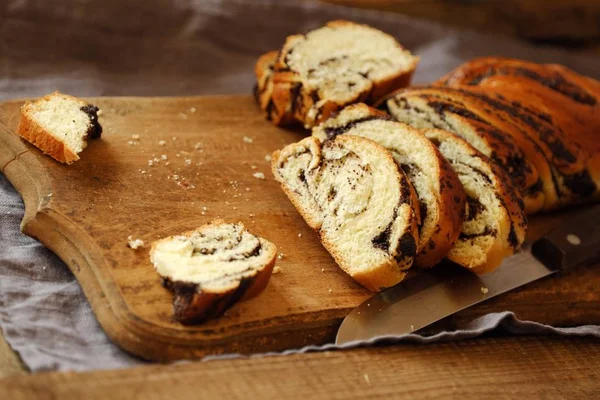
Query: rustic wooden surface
x=86, y=211
x=491, y=368
x=577, y=23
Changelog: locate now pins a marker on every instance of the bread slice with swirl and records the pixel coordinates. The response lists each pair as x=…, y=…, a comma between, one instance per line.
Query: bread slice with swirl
x=353, y=194
x=339, y=64
x=422, y=108
x=440, y=193
x=211, y=268
x=495, y=222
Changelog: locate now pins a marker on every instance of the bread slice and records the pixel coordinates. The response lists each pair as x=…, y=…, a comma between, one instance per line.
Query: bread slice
x=336, y=65
x=353, y=194
x=212, y=267
x=422, y=109
x=440, y=193
x=59, y=125
x=495, y=222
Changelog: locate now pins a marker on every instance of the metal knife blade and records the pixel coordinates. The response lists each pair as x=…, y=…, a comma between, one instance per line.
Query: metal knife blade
x=446, y=289
x=435, y=294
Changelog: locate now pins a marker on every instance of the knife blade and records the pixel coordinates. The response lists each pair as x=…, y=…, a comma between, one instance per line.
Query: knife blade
x=448, y=288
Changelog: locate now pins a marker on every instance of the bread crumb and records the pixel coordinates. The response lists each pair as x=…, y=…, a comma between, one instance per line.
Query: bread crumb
x=247, y=189
x=198, y=146
x=253, y=167
x=143, y=172
x=276, y=270
x=367, y=379
x=161, y=142
x=299, y=235
x=174, y=138
x=150, y=163
x=330, y=291
x=193, y=109
x=164, y=156
x=322, y=269
x=99, y=113
x=134, y=243
x=188, y=161
x=248, y=139
x=204, y=209
x=135, y=137
x=484, y=290
x=167, y=163
x=280, y=256
x=412, y=327
x=259, y=175
x=131, y=143
x=182, y=116
x=268, y=158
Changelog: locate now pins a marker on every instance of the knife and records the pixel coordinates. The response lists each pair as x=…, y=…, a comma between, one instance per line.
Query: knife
x=448, y=288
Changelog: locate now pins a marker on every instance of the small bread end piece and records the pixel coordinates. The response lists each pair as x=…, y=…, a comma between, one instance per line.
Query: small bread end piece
x=212, y=268
x=59, y=125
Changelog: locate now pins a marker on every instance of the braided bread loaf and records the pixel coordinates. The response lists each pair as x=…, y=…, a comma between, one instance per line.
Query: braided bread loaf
x=353, y=194
x=520, y=137
x=440, y=193
x=561, y=105
x=319, y=73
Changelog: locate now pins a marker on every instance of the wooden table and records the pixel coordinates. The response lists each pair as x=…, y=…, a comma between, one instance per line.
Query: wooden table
x=549, y=367
x=517, y=367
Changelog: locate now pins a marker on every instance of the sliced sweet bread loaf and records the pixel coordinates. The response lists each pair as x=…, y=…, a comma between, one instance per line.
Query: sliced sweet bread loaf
x=495, y=222
x=440, y=193
x=336, y=65
x=59, y=125
x=353, y=194
x=211, y=268
x=421, y=109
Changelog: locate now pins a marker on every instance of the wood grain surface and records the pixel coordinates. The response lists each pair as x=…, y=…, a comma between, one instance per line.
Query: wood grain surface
x=491, y=368
x=85, y=213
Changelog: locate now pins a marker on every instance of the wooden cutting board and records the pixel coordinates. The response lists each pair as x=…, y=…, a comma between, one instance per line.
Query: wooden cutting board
x=213, y=147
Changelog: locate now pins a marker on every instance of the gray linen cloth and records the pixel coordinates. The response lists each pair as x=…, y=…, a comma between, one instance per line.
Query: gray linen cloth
x=174, y=47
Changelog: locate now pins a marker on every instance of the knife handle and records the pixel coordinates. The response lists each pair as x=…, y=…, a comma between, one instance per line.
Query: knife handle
x=576, y=242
